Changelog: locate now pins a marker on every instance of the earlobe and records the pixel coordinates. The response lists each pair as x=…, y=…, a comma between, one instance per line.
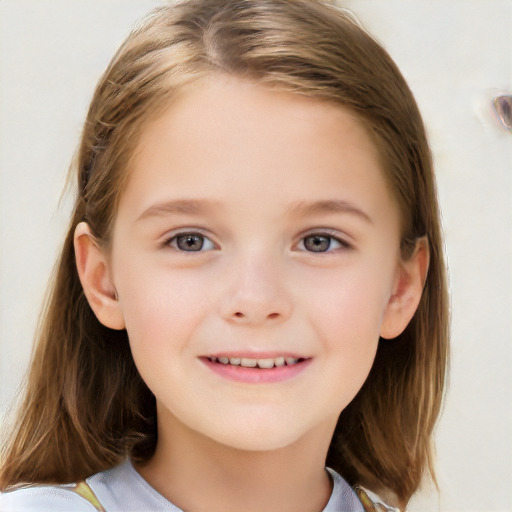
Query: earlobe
x=95, y=275
x=407, y=291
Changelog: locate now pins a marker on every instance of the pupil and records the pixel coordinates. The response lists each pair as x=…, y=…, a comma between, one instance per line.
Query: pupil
x=190, y=242
x=317, y=243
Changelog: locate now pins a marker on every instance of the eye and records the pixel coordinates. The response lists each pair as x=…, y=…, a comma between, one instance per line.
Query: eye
x=191, y=242
x=321, y=243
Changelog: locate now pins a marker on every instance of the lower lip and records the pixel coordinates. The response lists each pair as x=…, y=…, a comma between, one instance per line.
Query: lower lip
x=257, y=375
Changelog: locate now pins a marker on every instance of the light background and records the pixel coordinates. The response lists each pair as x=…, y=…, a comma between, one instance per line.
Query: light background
x=456, y=54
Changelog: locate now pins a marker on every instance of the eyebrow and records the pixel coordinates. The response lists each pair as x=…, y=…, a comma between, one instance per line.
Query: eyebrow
x=307, y=208
x=206, y=206
x=179, y=206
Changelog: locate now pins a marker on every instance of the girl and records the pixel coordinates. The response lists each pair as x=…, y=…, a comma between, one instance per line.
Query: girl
x=252, y=286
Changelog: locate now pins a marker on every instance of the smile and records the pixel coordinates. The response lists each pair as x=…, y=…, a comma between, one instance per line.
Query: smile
x=257, y=370
x=266, y=363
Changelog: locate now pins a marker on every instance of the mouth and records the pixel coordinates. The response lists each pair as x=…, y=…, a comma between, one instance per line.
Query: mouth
x=254, y=370
x=260, y=363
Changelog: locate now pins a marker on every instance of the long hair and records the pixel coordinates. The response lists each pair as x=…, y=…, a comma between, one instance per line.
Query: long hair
x=86, y=408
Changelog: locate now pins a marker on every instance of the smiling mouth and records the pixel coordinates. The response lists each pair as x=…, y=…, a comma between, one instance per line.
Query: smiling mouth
x=260, y=364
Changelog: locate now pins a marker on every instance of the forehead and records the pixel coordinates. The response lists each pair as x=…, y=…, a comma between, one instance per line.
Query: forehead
x=235, y=140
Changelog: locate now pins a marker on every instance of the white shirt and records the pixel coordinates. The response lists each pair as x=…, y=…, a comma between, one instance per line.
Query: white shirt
x=122, y=489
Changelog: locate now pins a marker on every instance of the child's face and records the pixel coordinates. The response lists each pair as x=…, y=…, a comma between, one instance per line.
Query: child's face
x=255, y=225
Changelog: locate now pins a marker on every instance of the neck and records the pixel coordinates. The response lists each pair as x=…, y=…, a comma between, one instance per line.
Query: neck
x=195, y=473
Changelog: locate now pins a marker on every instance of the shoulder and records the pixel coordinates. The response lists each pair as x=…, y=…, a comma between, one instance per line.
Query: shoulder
x=122, y=488
x=117, y=489
x=57, y=498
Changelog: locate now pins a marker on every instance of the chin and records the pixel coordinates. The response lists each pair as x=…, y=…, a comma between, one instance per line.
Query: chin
x=260, y=442
x=257, y=444
x=250, y=427
x=259, y=436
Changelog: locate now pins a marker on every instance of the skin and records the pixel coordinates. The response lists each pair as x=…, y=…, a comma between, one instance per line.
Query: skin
x=246, y=163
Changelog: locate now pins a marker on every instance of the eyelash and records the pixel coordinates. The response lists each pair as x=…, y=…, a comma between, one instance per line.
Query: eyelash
x=342, y=244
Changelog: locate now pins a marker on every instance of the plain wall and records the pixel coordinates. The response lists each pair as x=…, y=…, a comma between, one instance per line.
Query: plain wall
x=456, y=54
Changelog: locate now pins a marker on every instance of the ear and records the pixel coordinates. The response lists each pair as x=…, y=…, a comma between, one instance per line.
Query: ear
x=407, y=291
x=95, y=275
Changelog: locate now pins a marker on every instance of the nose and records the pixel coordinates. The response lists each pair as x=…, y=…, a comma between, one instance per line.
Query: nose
x=256, y=293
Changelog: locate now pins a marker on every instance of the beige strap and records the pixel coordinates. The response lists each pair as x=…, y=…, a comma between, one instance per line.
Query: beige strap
x=371, y=502
x=83, y=490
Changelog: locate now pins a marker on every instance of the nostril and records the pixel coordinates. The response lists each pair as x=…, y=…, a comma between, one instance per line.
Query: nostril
x=270, y=316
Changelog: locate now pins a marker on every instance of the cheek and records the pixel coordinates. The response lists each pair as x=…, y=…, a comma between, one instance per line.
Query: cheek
x=346, y=311
x=160, y=307
x=347, y=303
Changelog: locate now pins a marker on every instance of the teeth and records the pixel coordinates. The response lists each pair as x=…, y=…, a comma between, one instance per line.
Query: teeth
x=266, y=363
x=248, y=363
x=253, y=363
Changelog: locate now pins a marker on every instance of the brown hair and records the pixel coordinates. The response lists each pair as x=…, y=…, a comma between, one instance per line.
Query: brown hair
x=86, y=407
